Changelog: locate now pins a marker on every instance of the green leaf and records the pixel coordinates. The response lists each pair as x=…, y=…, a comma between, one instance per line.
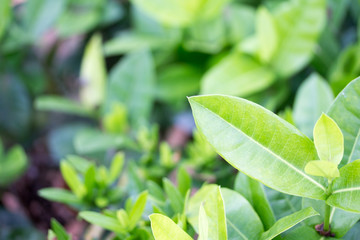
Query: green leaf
x=93, y=74
x=71, y=178
x=203, y=224
x=13, y=165
x=253, y=191
x=258, y=143
x=116, y=120
x=5, y=15
x=80, y=164
x=137, y=209
x=287, y=222
x=59, y=231
x=176, y=199
x=116, y=166
x=312, y=99
x=215, y=211
x=59, y=195
x=328, y=139
x=241, y=219
x=322, y=168
x=297, y=39
x=132, y=87
x=302, y=232
x=346, y=188
x=90, y=179
x=60, y=104
x=267, y=34
x=183, y=180
x=164, y=228
x=240, y=75
x=344, y=111
x=103, y=221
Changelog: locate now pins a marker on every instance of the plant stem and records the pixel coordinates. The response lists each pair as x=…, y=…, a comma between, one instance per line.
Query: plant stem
x=327, y=218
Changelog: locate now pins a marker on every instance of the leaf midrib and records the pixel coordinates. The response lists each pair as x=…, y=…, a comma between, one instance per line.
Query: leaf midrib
x=266, y=149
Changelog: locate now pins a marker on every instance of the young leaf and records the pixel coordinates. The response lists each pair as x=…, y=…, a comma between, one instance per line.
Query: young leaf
x=59, y=231
x=328, y=139
x=116, y=120
x=241, y=75
x=93, y=74
x=13, y=165
x=103, y=221
x=287, y=222
x=71, y=178
x=241, y=220
x=322, y=168
x=312, y=99
x=346, y=188
x=123, y=218
x=59, y=195
x=183, y=180
x=344, y=112
x=90, y=179
x=253, y=191
x=215, y=210
x=258, y=143
x=203, y=224
x=267, y=34
x=165, y=229
x=137, y=209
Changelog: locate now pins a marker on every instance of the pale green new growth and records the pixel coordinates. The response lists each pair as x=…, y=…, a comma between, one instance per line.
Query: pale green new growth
x=203, y=224
x=165, y=229
x=322, y=169
x=328, y=139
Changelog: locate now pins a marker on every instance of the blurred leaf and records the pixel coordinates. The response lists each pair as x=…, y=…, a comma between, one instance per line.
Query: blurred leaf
x=59, y=195
x=40, y=15
x=15, y=108
x=137, y=209
x=268, y=37
x=338, y=11
x=203, y=224
x=237, y=74
x=207, y=36
x=59, y=231
x=91, y=140
x=103, y=221
x=344, y=112
x=353, y=234
x=253, y=191
x=328, y=139
x=116, y=166
x=93, y=74
x=177, y=81
x=72, y=180
x=287, y=222
x=242, y=220
x=297, y=39
x=164, y=228
x=183, y=180
x=116, y=120
x=5, y=15
x=302, y=232
x=61, y=104
x=346, y=68
x=312, y=98
x=132, y=87
x=60, y=140
x=13, y=165
x=176, y=199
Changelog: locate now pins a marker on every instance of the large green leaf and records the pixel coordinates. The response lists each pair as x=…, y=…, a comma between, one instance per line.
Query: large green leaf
x=237, y=74
x=287, y=222
x=258, y=143
x=242, y=221
x=346, y=188
x=299, y=23
x=93, y=74
x=165, y=229
x=345, y=112
x=313, y=98
x=282, y=204
x=253, y=191
x=132, y=87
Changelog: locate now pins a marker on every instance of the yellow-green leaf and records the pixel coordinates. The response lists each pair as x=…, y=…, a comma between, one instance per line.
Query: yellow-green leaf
x=164, y=228
x=328, y=139
x=322, y=168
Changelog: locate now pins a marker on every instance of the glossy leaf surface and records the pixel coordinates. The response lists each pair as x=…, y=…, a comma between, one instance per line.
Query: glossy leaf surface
x=165, y=229
x=287, y=222
x=258, y=143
